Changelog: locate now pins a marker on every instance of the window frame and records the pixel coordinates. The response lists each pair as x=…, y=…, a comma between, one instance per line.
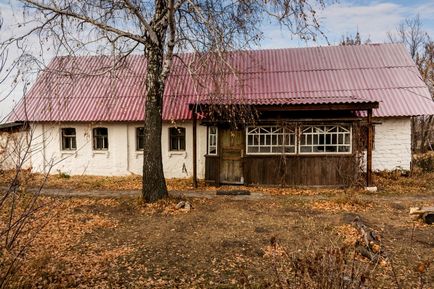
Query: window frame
x=293, y=133
x=209, y=135
x=337, y=145
x=71, y=137
x=182, y=135
x=104, y=137
x=138, y=138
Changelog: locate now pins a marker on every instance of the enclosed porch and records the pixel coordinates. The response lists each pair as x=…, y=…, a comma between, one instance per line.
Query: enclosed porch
x=316, y=144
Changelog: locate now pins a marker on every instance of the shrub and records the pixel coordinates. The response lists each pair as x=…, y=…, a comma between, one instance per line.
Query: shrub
x=425, y=162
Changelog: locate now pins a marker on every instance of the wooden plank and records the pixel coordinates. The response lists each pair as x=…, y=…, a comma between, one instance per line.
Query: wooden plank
x=318, y=107
x=194, y=150
x=300, y=170
x=369, y=151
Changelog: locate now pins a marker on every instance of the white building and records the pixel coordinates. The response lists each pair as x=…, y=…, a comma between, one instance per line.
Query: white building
x=312, y=105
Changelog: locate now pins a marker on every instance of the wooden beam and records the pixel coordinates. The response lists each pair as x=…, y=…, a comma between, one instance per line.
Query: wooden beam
x=298, y=107
x=369, y=150
x=318, y=107
x=194, y=149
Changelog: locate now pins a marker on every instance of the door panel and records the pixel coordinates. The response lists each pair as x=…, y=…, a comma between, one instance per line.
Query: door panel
x=232, y=150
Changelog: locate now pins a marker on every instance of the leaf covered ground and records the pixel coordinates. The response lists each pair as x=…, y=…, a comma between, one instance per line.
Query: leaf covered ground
x=388, y=183
x=220, y=243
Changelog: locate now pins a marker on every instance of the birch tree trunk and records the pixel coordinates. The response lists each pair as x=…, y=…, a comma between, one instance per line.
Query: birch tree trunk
x=154, y=184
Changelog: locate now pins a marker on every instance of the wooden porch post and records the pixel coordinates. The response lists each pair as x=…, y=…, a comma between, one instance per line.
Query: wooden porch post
x=194, y=148
x=369, y=150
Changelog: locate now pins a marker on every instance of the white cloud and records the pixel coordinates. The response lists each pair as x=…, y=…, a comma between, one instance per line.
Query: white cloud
x=372, y=19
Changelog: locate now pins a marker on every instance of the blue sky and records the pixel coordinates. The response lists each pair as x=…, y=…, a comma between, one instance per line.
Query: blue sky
x=372, y=18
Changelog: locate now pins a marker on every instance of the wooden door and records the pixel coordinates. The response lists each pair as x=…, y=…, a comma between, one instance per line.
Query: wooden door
x=231, y=162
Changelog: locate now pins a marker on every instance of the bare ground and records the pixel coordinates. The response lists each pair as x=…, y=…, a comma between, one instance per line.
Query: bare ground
x=220, y=243
x=98, y=234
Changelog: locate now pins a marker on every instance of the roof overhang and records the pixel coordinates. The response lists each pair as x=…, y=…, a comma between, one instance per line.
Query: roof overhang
x=13, y=126
x=335, y=104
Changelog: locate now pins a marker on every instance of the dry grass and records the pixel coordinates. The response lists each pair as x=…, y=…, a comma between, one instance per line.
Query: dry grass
x=134, y=182
x=387, y=182
x=394, y=183
x=221, y=243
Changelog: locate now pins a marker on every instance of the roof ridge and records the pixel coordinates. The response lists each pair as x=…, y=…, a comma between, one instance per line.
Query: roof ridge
x=378, y=44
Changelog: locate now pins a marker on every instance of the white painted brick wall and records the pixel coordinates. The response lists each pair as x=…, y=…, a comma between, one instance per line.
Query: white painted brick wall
x=13, y=151
x=392, y=147
x=120, y=159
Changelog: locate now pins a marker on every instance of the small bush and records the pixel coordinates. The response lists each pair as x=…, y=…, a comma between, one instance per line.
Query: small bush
x=63, y=175
x=425, y=162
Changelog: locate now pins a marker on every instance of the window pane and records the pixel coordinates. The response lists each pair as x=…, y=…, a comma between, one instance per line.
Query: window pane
x=274, y=140
x=326, y=138
x=264, y=149
x=250, y=140
x=253, y=149
x=289, y=149
x=68, y=131
x=69, y=139
x=270, y=140
x=262, y=140
x=344, y=149
x=280, y=139
x=100, y=138
x=212, y=140
x=176, y=138
x=174, y=144
x=317, y=149
x=277, y=149
x=305, y=149
x=331, y=148
x=140, y=138
x=181, y=143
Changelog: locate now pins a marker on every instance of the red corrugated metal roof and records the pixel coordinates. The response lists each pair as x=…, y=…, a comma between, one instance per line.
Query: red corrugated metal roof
x=283, y=99
x=379, y=72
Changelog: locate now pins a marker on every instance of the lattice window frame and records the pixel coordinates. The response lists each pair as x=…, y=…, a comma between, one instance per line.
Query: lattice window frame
x=327, y=136
x=271, y=140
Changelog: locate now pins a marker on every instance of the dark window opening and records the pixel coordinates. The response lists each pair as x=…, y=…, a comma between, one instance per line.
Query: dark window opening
x=69, y=141
x=140, y=138
x=177, y=139
x=100, y=138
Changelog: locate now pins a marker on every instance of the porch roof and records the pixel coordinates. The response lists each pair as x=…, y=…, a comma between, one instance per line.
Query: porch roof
x=292, y=104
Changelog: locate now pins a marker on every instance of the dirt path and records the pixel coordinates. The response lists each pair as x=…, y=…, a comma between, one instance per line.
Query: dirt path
x=136, y=193
x=397, y=198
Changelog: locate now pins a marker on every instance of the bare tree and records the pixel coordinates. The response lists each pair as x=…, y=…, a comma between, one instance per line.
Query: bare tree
x=425, y=124
x=354, y=40
x=20, y=210
x=410, y=32
x=163, y=28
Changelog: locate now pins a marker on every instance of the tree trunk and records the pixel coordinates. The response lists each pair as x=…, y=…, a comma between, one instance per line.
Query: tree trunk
x=413, y=135
x=154, y=184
